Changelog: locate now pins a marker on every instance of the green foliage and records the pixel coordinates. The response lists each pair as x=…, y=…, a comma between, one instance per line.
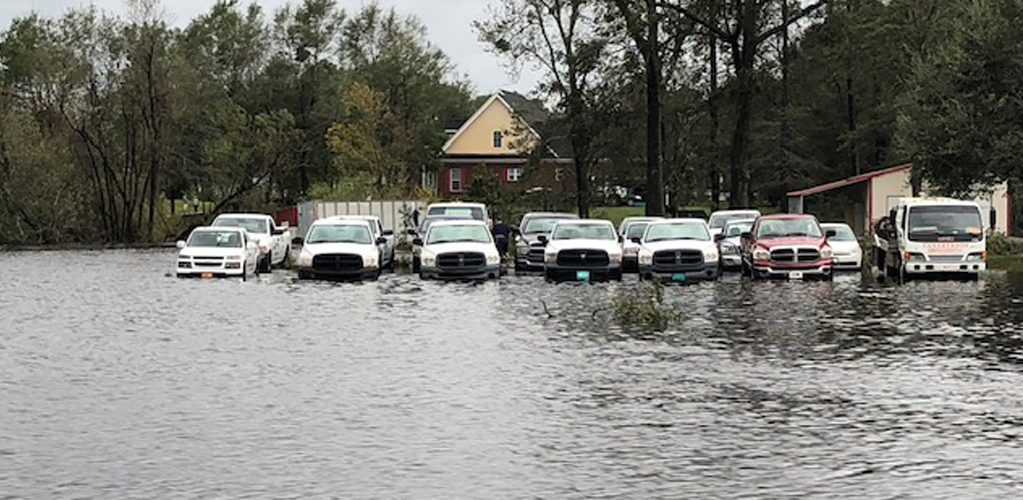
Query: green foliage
x=645, y=308
x=1000, y=245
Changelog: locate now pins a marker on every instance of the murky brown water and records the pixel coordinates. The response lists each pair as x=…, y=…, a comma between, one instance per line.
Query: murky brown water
x=117, y=381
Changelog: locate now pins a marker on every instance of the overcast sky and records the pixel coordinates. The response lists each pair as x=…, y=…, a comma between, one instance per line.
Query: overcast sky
x=449, y=23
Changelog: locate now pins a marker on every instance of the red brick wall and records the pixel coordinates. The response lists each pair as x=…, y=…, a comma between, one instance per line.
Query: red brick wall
x=545, y=175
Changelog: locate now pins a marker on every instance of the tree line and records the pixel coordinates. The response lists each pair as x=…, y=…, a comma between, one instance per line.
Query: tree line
x=106, y=123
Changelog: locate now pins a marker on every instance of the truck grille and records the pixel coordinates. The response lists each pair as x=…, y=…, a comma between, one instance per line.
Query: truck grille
x=795, y=255
x=337, y=262
x=583, y=258
x=945, y=259
x=536, y=256
x=461, y=260
x=673, y=258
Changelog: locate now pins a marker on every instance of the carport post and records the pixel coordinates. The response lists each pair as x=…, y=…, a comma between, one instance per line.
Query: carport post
x=796, y=204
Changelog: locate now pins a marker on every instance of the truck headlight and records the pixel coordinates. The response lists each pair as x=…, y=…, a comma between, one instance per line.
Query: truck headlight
x=761, y=254
x=976, y=257
x=914, y=256
x=234, y=257
x=369, y=261
x=630, y=251
x=827, y=253
x=550, y=257
x=646, y=258
x=616, y=257
x=729, y=250
x=305, y=259
x=428, y=259
x=493, y=259
x=522, y=250
x=710, y=255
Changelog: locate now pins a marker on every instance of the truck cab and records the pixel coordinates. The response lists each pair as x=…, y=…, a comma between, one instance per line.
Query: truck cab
x=932, y=236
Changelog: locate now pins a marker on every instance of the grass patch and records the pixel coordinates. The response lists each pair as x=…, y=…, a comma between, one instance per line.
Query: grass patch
x=1013, y=263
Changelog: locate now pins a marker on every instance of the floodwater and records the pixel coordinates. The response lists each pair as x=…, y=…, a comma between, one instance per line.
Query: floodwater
x=120, y=381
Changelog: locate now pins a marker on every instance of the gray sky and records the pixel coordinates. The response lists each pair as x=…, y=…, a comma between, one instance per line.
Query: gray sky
x=449, y=23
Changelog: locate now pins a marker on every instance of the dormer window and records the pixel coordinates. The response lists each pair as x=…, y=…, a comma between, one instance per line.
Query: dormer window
x=498, y=139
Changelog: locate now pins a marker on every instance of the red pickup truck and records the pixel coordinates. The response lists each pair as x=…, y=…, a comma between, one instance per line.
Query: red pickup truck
x=786, y=246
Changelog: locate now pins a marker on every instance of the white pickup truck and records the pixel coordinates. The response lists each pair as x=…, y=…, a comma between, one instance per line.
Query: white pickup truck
x=274, y=241
x=931, y=236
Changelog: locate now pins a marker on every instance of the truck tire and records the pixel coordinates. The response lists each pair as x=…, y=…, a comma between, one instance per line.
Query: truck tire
x=264, y=265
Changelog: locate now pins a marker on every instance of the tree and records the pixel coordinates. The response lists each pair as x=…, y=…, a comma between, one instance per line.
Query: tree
x=565, y=38
x=747, y=25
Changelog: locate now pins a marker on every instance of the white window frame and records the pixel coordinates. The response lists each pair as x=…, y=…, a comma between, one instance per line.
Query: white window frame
x=513, y=174
x=455, y=175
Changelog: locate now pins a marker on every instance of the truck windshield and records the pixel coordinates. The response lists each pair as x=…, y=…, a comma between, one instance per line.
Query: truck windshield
x=539, y=226
x=456, y=211
x=223, y=239
x=255, y=226
x=339, y=234
x=687, y=231
x=737, y=228
x=718, y=221
x=945, y=223
x=474, y=233
x=791, y=228
x=636, y=230
x=584, y=232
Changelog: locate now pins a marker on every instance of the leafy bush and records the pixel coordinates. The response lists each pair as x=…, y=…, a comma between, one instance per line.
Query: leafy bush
x=998, y=244
x=645, y=308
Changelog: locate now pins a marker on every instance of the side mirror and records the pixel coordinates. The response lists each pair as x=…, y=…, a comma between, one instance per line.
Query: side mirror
x=388, y=232
x=181, y=244
x=746, y=236
x=279, y=230
x=515, y=230
x=542, y=239
x=718, y=237
x=418, y=242
x=411, y=232
x=830, y=233
x=637, y=240
x=381, y=241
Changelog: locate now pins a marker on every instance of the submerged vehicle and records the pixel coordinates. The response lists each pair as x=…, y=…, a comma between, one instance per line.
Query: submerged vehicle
x=677, y=250
x=721, y=217
x=730, y=244
x=630, y=229
x=218, y=252
x=341, y=249
x=582, y=250
x=528, y=248
x=786, y=246
x=848, y=254
x=931, y=236
x=273, y=241
x=385, y=236
x=458, y=249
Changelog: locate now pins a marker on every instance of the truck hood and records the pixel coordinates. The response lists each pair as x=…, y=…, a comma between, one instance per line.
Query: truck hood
x=210, y=251
x=732, y=240
x=794, y=241
x=610, y=246
x=461, y=246
x=532, y=238
x=679, y=245
x=350, y=248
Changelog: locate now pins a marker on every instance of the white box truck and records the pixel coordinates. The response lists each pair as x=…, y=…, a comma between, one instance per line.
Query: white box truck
x=931, y=236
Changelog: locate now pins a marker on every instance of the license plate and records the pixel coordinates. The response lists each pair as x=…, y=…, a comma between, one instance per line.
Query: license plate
x=796, y=275
x=582, y=275
x=206, y=276
x=680, y=277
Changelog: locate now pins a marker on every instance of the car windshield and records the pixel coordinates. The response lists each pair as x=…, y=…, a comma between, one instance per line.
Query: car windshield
x=940, y=223
x=468, y=212
x=335, y=233
x=780, y=228
x=679, y=231
x=635, y=230
x=474, y=233
x=223, y=239
x=737, y=228
x=584, y=232
x=255, y=226
x=718, y=221
x=842, y=233
x=539, y=225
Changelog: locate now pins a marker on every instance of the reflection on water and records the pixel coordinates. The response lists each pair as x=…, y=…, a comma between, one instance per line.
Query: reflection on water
x=119, y=381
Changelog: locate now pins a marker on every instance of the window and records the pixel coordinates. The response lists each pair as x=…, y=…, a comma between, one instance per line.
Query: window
x=559, y=174
x=498, y=138
x=455, y=178
x=513, y=174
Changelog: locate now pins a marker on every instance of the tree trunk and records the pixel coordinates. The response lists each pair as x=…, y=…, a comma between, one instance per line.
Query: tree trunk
x=740, y=176
x=654, y=176
x=715, y=172
x=850, y=107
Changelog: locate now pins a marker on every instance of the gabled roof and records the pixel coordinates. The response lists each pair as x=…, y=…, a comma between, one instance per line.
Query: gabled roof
x=530, y=113
x=850, y=181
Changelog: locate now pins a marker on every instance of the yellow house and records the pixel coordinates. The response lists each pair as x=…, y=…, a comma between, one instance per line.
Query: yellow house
x=499, y=138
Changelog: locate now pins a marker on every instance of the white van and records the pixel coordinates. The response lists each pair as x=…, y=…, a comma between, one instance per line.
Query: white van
x=922, y=236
